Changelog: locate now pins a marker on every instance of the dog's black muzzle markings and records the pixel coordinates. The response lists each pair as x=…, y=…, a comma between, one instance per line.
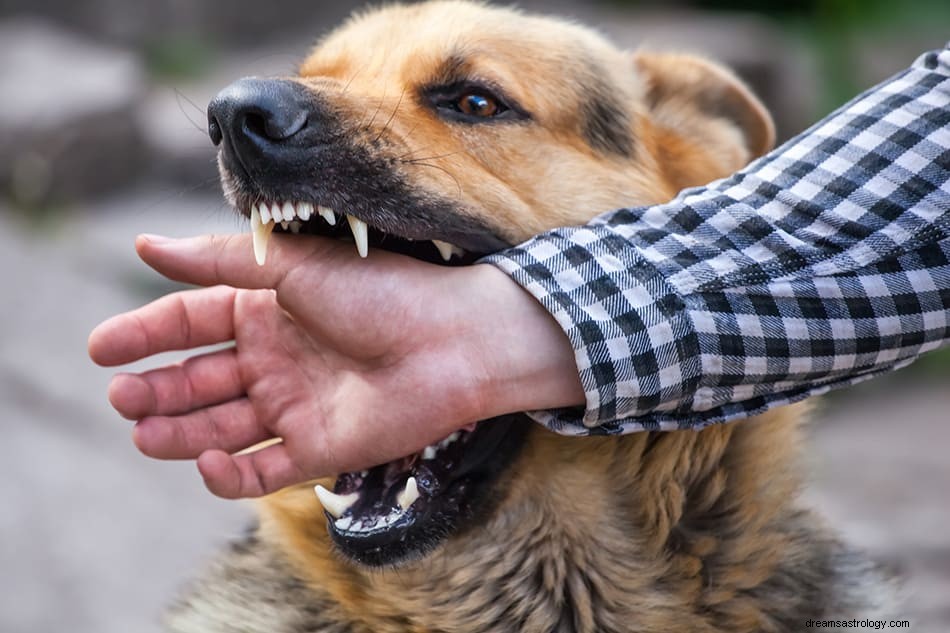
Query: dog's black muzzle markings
x=283, y=142
x=279, y=141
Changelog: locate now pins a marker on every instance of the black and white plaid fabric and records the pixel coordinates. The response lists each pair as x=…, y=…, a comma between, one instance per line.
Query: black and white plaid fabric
x=822, y=263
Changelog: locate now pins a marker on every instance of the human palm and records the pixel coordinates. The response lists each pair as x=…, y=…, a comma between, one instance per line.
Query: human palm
x=350, y=362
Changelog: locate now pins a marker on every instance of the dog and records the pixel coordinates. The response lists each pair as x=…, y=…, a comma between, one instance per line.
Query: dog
x=446, y=131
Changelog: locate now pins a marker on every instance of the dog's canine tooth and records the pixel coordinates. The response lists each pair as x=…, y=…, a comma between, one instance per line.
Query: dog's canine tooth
x=288, y=212
x=304, y=210
x=264, y=211
x=260, y=234
x=409, y=494
x=445, y=249
x=333, y=503
x=327, y=214
x=360, y=234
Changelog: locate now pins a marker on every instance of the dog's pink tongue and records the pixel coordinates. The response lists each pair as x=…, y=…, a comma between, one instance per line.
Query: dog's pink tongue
x=470, y=427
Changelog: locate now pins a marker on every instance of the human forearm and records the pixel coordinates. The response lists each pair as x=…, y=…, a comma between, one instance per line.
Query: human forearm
x=654, y=307
x=522, y=358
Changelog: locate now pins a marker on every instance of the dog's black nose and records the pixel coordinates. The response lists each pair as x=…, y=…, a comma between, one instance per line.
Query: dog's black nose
x=252, y=116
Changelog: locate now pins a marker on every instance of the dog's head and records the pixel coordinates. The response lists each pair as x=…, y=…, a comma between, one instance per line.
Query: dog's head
x=447, y=131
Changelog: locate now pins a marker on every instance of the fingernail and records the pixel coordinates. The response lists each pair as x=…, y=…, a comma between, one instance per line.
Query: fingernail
x=156, y=239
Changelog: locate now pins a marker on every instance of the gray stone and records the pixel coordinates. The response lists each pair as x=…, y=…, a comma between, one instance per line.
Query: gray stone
x=67, y=125
x=229, y=22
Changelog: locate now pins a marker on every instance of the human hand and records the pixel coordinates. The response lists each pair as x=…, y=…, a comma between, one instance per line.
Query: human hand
x=351, y=362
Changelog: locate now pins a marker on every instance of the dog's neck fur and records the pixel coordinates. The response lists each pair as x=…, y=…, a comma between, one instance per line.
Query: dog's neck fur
x=647, y=533
x=702, y=536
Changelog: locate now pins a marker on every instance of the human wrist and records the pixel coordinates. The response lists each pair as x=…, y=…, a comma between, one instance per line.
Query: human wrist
x=525, y=360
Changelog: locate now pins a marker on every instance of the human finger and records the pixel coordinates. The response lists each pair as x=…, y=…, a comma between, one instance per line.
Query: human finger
x=199, y=381
x=230, y=427
x=249, y=475
x=181, y=320
x=208, y=260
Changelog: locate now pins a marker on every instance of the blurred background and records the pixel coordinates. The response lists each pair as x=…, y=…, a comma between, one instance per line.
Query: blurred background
x=102, y=136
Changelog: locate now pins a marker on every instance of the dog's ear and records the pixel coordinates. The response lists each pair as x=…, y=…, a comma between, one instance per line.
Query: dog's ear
x=704, y=105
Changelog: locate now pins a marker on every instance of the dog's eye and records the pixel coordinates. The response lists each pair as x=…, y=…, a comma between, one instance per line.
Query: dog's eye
x=478, y=105
x=469, y=102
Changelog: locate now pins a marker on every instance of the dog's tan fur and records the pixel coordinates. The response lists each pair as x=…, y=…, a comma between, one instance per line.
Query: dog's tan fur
x=679, y=531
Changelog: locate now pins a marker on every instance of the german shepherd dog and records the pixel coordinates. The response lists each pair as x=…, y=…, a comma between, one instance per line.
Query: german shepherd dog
x=446, y=131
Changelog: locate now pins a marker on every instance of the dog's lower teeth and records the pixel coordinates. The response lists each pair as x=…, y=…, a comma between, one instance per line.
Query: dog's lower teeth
x=449, y=439
x=408, y=495
x=333, y=503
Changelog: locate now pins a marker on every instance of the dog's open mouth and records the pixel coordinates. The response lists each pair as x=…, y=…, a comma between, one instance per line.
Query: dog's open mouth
x=402, y=509
x=314, y=219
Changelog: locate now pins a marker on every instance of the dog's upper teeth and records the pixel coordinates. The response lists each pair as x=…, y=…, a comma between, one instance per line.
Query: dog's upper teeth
x=408, y=495
x=360, y=235
x=260, y=233
x=264, y=213
x=328, y=215
x=288, y=212
x=333, y=503
x=447, y=250
x=304, y=210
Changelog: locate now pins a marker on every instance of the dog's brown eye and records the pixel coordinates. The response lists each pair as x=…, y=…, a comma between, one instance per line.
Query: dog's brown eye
x=470, y=102
x=476, y=104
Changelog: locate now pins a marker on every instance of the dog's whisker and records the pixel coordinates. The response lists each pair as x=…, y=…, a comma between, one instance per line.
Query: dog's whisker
x=179, y=96
x=458, y=185
x=379, y=106
x=351, y=79
x=391, y=117
x=433, y=157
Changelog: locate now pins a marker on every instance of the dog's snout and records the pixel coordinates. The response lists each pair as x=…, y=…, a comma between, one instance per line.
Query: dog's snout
x=253, y=116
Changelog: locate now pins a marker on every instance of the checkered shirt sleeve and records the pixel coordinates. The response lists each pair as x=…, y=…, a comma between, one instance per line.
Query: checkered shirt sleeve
x=825, y=262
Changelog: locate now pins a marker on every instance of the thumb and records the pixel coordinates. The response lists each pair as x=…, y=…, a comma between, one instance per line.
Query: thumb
x=211, y=260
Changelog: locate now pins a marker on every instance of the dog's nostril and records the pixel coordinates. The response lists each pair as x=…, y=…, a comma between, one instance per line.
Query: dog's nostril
x=273, y=127
x=252, y=116
x=280, y=125
x=214, y=131
x=256, y=125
